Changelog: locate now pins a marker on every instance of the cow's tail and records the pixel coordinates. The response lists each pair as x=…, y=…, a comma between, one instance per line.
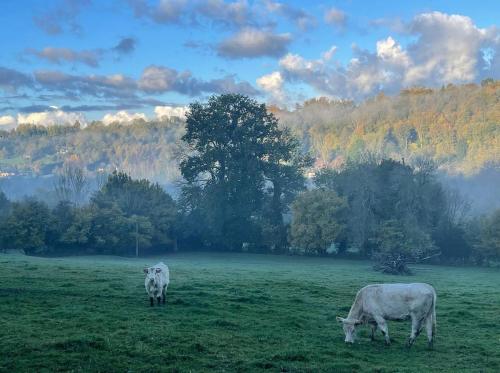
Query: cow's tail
x=434, y=315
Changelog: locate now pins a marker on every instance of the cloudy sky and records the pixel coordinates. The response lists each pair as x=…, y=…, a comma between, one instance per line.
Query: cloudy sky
x=62, y=60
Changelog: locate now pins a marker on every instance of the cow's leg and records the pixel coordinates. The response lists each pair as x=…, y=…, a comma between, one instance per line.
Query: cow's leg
x=151, y=300
x=159, y=300
x=382, y=325
x=416, y=328
x=429, y=328
x=374, y=329
x=164, y=293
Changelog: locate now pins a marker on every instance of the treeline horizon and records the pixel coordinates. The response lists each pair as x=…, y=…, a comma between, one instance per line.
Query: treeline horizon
x=244, y=189
x=126, y=215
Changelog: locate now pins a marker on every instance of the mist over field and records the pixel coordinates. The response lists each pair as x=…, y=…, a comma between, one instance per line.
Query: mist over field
x=249, y=186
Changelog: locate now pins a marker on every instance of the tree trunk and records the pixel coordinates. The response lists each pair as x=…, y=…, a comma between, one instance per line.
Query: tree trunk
x=136, y=239
x=277, y=215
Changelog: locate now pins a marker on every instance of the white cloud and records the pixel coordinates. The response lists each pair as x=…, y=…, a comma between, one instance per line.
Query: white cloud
x=171, y=111
x=446, y=49
x=7, y=122
x=327, y=56
x=316, y=73
x=158, y=79
x=252, y=43
x=299, y=16
x=116, y=85
x=49, y=118
x=335, y=17
x=273, y=84
x=11, y=80
x=58, y=55
x=389, y=50
x=123, y=117
x=292, y=62
x=55, y=117
x=233, y=14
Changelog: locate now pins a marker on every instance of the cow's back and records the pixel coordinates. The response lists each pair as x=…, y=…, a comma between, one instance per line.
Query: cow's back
x=397, y=301
x=164, y=274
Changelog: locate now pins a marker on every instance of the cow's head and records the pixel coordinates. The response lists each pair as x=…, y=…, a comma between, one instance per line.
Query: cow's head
x=349, y=326
x=151, y=274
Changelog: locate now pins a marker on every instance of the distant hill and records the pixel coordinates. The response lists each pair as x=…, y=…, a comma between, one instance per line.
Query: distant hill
x=456, y=126
x=143, y=149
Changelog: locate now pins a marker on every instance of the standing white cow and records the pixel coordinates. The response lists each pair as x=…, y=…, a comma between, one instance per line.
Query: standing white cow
x=374, y=304
x=156, y=282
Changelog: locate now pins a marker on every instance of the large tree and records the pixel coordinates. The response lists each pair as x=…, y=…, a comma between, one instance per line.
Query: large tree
x=71, y=184
x=29, y=227
x=4, y=205
x=284, y=170
x=319, y=217
x=488, y=245
x=235, y=151
x=144, y=207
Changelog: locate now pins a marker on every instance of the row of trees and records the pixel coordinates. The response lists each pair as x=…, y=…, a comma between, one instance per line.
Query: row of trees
x=244, y=189
x=123, y=215
x=387, y=211
x=391, y=212
x=391, y=195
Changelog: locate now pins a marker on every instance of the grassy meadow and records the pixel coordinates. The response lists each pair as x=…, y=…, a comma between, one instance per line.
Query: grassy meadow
x=231, y=313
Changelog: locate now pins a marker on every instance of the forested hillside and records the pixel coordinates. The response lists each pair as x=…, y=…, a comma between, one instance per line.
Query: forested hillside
x=144, y=149
x=456, y=126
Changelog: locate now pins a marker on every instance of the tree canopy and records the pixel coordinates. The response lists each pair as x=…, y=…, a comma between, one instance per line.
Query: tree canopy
x=236, y=155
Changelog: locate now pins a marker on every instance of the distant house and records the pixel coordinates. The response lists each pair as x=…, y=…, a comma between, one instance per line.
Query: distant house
x=6, y=174
x=310, y=174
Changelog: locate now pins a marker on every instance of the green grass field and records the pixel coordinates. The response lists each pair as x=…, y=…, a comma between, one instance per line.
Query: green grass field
x=231, y=313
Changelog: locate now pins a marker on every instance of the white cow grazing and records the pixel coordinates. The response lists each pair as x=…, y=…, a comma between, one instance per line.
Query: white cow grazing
x=156, y=282
x=374, y=304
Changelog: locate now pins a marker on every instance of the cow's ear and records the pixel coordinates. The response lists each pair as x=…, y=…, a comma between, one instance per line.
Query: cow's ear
x=340, y=319
x=146, y=270
x=158, y=270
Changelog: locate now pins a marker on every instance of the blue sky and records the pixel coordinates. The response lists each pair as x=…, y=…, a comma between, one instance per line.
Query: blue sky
x=63, y=60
